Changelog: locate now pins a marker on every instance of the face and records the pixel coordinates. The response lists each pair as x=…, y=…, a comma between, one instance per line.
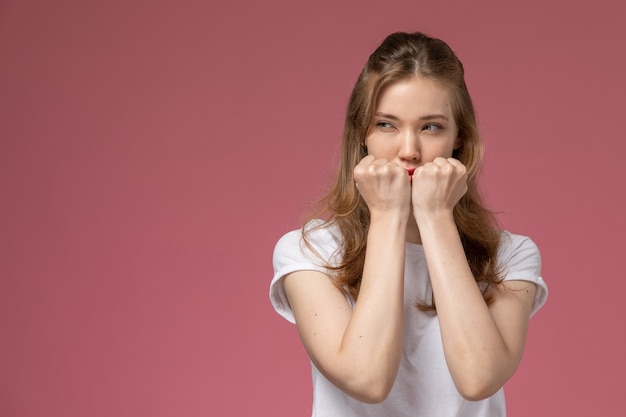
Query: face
x=413, y=124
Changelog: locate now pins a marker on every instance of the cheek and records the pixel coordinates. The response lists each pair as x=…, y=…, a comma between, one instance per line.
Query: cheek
x=458, y=142
x=377, y=146
x=372, y=139
x=444, y=150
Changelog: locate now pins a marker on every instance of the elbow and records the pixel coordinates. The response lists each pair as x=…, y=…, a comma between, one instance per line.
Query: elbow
x=369, y=384
x=479, y=383
x=477, y=389
x=372, y=394
x=476, y=393
x=370, y=391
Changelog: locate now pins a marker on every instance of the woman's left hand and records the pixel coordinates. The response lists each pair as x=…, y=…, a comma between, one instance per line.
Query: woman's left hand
x=438, y=186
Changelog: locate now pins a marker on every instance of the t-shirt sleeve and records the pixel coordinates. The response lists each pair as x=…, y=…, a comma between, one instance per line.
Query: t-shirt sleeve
x=291, y=254
x=521, y=260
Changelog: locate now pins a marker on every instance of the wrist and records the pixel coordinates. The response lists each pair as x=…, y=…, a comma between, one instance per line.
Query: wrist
x=434, y=222
x=390, y=225
x=389, y=218
x=433, y=216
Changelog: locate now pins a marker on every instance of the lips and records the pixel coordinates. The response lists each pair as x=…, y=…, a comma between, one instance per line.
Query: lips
x=410, y=171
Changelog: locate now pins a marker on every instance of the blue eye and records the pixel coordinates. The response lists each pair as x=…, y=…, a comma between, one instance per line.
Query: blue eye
x=384, y=125
x=432, y=127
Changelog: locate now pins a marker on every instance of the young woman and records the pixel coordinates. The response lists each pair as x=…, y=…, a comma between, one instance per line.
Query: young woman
x=408, y=298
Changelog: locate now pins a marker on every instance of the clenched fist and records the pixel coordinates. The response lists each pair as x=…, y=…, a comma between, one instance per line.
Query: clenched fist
x=385, y=186
x=438, y=186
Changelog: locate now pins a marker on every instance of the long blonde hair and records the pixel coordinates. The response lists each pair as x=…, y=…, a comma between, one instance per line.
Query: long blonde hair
x=402, y=56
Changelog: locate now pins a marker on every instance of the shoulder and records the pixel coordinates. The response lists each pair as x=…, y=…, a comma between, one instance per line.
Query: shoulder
x=292, y=254
x=518, y=250
x=320, y=242
x=520, y=260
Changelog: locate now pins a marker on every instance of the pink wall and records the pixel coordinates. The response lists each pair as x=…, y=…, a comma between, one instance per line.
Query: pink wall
x=151, y=153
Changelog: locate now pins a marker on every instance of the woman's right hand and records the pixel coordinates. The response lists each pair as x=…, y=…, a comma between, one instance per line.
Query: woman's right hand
x=385, y=186
x=359, y=349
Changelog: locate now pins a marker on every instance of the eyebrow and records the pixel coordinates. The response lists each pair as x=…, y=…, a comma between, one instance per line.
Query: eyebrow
x=426, y=117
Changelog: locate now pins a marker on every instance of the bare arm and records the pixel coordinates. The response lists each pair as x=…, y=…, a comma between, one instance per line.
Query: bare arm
x=483, y=345
x=359, y=350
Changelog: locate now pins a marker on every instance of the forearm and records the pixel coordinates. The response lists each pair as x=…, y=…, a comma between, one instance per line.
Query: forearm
x=475, y=351
x=372, y=342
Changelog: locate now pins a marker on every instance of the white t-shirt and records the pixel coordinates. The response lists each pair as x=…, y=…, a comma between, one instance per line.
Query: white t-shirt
x=423, y=386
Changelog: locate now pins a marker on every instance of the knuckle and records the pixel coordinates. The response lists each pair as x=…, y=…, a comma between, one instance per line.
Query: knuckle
x=358, y=172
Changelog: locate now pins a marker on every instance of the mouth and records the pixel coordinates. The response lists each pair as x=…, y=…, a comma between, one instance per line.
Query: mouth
x=410, y=171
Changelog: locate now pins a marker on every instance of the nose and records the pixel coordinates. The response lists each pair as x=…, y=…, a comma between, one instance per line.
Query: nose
x=409, y=147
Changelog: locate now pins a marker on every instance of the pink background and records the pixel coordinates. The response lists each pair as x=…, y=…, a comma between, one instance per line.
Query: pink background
x=152, y=152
